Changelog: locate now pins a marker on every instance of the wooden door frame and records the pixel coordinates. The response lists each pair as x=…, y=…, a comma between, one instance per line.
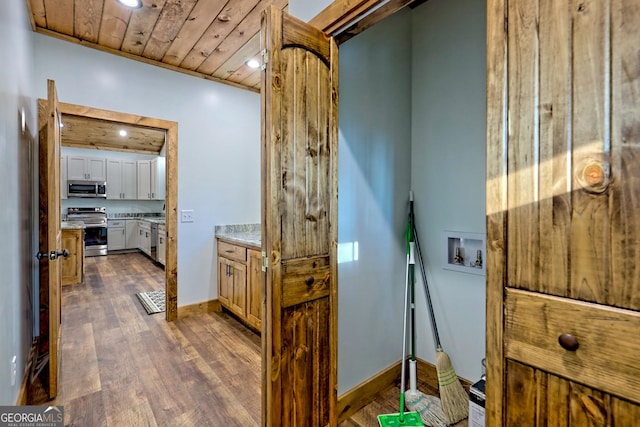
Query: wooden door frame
x=171, y=187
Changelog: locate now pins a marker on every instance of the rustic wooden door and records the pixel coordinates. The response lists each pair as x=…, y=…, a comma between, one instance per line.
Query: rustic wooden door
x=563, y=213
x=50, y=239
x=299, y=208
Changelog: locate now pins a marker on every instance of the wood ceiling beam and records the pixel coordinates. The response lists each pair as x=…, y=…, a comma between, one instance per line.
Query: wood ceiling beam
x=352, y=14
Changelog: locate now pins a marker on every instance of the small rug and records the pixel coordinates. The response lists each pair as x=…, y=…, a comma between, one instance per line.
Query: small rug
x=152, y=301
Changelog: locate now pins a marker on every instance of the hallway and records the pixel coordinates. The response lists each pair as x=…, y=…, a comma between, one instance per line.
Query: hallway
x=122, y=367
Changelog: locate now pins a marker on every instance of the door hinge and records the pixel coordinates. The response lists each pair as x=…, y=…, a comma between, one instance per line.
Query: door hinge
x=265, y=59
x=265, y=261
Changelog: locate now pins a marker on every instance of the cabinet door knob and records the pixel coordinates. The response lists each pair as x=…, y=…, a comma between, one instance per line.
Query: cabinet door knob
x=568, y=342
x=310, y=280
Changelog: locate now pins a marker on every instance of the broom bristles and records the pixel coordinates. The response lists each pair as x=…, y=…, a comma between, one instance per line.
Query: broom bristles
x=455, y=401
x=429, y=407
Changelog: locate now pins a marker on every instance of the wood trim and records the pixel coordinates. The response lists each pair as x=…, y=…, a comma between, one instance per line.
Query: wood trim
x=360, y=396
x=171, y=189
x=340, y=13
x=21, y=399
x=496, y=206
x=138, y=58
x=373, y=18
x=198, y=308
x=428, y=373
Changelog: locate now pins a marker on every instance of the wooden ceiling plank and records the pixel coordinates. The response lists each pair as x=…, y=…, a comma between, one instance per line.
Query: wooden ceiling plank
x=87, y=132
x=228, y=19
x=252, y=79
x=201, y=17
x=247, y=29
x=115, y=18
x=236, y=64
x=173, y=16
x=87, y=19
x=141, y=25
x=38, y=16
x=59, y=15
x=373, y=18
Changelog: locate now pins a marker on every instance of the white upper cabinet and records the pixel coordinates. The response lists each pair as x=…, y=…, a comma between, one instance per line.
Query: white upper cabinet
x=121, y=179
x=81, y=168
x=151, y=179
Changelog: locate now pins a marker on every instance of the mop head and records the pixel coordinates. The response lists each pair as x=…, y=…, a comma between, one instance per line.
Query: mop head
x=408, y=419
x=455, y=401
x=429, y=407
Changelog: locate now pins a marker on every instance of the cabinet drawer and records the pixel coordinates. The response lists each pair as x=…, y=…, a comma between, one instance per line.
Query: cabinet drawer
x=118, y=223
x=608, y=352
x=231, y=251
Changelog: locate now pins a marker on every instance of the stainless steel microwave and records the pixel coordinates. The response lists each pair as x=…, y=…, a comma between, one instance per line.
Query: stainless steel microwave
x=87, y=189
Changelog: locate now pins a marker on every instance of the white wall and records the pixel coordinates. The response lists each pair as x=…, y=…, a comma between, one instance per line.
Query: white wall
x=17, y=154
x=373, y=185
x=448, y=168
x=218, y=141
x=307, y=9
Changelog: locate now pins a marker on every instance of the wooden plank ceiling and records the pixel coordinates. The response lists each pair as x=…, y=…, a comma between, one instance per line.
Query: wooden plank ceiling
x=212, y=39
x=88, y=132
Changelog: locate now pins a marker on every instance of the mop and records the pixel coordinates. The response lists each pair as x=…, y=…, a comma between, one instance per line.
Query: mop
x=455, y=401
x=429, y=407
x=402, y=418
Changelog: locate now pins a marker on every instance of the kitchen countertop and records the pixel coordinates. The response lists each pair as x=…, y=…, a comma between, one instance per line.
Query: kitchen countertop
x=72, y=225
x=244, y=238
x=152, y=219
x=243, y=234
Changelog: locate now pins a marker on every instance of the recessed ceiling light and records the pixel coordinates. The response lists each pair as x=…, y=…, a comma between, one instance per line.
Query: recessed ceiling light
x=253, y=63
x=123, y=132
x=134, y=4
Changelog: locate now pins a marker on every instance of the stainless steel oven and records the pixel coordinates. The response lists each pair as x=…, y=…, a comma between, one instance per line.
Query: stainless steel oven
x=95, y=233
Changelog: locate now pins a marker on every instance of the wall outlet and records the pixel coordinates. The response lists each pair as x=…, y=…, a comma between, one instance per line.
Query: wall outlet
x=186, y=215
x=14, y=370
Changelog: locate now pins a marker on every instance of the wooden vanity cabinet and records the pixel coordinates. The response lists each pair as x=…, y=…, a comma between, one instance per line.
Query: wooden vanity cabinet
x=73, y=265
x=240, y=282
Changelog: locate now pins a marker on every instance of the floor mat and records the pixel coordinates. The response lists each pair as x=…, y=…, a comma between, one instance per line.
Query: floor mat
x=152, y=301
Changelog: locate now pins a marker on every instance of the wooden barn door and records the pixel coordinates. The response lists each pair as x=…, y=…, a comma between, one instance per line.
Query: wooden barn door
x=563, y=213
x=299, y=219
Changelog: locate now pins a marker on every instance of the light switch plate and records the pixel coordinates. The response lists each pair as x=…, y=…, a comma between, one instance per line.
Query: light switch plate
x=186, y=215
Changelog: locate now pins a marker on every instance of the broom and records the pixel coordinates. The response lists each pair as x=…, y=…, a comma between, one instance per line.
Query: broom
x=455, y=401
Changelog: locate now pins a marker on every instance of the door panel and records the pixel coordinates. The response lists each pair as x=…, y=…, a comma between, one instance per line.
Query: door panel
x=50, y=238
x=299, y=157
x=563, y=196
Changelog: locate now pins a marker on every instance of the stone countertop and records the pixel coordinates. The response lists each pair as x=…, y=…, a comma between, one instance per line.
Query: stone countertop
x=152, y=219
x=243, y=234
x=245, y=238
x=72, y=225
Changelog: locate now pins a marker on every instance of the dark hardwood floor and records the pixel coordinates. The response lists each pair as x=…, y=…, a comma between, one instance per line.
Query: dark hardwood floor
x=122, y=367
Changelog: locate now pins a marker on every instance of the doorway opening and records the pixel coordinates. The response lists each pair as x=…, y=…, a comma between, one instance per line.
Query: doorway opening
x=93, y=117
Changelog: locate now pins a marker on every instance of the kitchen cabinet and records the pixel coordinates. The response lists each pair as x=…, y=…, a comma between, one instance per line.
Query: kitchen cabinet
x=131, y=234
x=151, y=179
x=162, y=244
x=254, y=288
x=63, y=177
x=144, y=237
x=81, y=168
x=122, y=179
x=72, y=265
x=240, y=282
x=116, y=235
